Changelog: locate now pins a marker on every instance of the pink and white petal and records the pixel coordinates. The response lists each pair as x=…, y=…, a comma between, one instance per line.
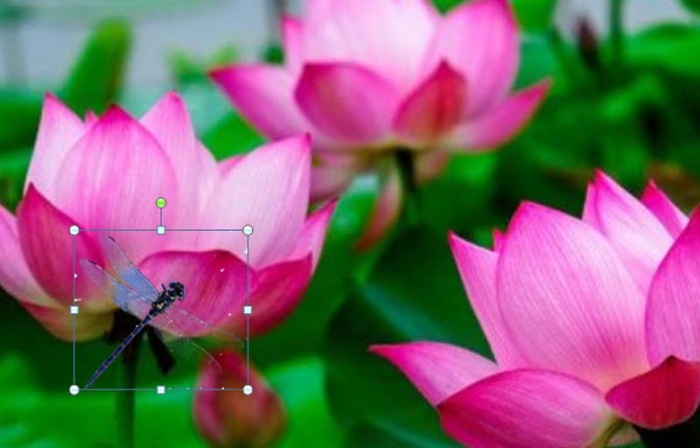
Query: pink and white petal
x=567, y=300
x=275, y=293
x=15, y=277
x=59, y=322
x=673, y=308
x=44, y=229
x=210, y=174
x=433, y=108
x=480, y=39
x=269, y=190
x=116, y=172
x=525, y=409
x=667, y=395
x=169, y=122
x=664, y=209
x=312, y=236
x=215, y=284
x=349, y=30
x=437, y=370
x=477, y=267
x=59, y=130
x=500, y=123
x=387, y=208
x=634, y=232
x=346, y=101
x=292, y=30
x=264, y=96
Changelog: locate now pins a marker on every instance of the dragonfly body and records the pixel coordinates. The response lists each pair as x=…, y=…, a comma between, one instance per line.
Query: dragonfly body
x=175, y=291
x=134, y=293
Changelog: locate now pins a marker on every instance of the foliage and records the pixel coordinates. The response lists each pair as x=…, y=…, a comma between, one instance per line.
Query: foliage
x=635, y=118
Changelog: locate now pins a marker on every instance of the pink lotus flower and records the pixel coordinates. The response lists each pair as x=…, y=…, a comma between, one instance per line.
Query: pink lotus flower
x=368, y=80
x=592, y=323
x=230, y=418
x=106, y=173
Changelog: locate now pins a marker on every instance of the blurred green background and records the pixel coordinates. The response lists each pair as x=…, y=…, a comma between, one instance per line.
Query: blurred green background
x=626, y=98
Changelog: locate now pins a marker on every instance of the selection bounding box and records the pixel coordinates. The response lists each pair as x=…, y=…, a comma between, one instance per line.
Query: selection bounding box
x=161, y=203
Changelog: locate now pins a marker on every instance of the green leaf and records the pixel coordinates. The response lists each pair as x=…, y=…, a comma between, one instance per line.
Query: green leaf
x=691, y=5
x=20, y=112
x=309, y=423
x=274, y=54
x=97, y=77
x=304, y=330
x=537, y=61
x=534, y=15
x=13, y=166
x=232, y=135
x=552, y=160
x=187, y=69
x=667, y=46
x=414, y=293
x=382, y=435
x=446, y=5
x=444, y=206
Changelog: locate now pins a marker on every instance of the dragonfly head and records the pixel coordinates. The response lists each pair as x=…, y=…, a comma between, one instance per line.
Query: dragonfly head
x=176, y=290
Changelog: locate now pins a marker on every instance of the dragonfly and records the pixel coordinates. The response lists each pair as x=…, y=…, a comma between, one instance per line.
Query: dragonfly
x=136, y=295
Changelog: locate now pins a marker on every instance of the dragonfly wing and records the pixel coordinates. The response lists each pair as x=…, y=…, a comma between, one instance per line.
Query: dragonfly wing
x=183, y=323
x=173, y=334
x=125, y=298
x=187, y=349
x=125, y=268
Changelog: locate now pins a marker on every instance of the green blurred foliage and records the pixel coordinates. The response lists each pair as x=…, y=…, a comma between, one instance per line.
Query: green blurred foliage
x=396, y=303
x=446, y=5
x=186, y=69
x=534, y=15
x=635, y=118
x=92, y=85
x=692, y=5
x=95, y=80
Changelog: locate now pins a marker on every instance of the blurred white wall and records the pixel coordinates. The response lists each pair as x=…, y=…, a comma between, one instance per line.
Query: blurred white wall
x=50, y=41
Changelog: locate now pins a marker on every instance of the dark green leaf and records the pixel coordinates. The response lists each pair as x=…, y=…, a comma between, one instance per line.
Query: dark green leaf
x=459, y=198
x=534, y=15
x=232, y=135
x=304, y=330
x=414, y=293
x=692, y=5
x=273, y=54
x=20, y=112
x=187, y=69
x=667, y=46
x=445, y=5
x=537, y=61
x=309, y=422
x=96, y=78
